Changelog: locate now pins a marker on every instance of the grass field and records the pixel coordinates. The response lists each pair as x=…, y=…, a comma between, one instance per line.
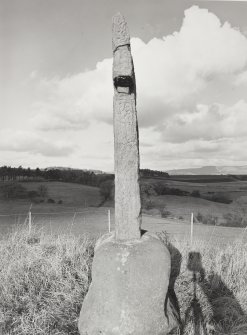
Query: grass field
x=94, y=222
x=234, y=189
x=44, y=279
x=45, y=273
x=74, y=196
x=77, y=215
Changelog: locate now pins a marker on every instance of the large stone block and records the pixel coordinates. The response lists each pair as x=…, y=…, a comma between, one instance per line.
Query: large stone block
x=128, y=293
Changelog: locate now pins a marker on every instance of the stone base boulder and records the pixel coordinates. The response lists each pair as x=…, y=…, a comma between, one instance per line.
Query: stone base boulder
x=128, y=293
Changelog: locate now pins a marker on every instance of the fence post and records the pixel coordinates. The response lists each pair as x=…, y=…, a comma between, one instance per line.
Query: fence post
x=191, y=228
x=244, y=234
x=29, y=221
x=73, y=219
x=109, y=220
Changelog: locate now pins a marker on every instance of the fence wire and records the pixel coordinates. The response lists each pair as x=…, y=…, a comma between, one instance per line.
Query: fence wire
x=97, y=221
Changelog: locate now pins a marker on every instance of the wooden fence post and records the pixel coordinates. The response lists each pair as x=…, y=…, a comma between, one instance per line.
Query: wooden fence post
x=191, y=228
x=109, y=220
x=29, y=221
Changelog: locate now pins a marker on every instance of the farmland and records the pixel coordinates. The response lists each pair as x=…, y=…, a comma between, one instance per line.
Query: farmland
x=59, y=248
x=81, y=205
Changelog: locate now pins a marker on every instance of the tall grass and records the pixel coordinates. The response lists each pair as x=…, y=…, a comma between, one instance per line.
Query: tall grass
x=214, y=300
x=44, y=278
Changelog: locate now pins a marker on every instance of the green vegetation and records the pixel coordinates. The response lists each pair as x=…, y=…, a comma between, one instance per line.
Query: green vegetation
x=43, y=281
x=147, y=173
x=72, y=195
x=159, y=195
x=235, y=219
x=84, y=177
x=15, y=190
x=106, y=189
x=208, y=219
x=44, y=278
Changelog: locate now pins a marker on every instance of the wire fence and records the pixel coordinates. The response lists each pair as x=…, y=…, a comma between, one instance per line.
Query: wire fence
x=97, y=221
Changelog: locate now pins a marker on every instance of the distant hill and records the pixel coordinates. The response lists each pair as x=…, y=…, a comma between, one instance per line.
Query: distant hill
x=211, y=170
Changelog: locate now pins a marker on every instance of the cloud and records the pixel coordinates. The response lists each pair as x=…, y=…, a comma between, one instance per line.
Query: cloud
x=33, y=143
x=207, y=122
x=241, y=79
x=195, y=153
x=72, y=102
x=190, y=100
x=171, y=73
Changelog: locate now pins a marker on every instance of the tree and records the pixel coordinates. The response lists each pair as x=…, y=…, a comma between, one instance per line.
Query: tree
x=43, y=191
x=106, y=190
x=196, y=194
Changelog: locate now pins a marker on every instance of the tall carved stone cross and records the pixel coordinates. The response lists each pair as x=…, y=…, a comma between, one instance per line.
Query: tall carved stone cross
x=130, y=272
x=126, y=140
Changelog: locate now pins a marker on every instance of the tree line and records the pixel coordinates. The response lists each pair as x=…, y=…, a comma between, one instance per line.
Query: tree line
x=8, y=173
x=12, y=174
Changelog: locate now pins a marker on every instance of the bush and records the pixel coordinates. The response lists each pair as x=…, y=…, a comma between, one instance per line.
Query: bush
x=219, y=197
x=234, y=220
x=148, y=204
x=33, y=194
x=207, y=219
x=199, y=217
x=106, y=189
x=165, y=213
x=196, y=194
x=165, y=190
x=43, y=191
x=147, y=190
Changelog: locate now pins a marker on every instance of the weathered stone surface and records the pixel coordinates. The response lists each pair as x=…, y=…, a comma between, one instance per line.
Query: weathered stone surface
x=129, y=288
x=127, y=189
x=126, y=140
x=120, y=32
x=122, y=62
x=130, y=274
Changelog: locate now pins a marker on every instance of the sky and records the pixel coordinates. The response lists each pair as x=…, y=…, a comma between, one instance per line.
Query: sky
x=56, y=89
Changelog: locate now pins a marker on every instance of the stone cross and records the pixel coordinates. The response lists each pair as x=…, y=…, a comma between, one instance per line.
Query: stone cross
x=126, y=139
x=128, y=294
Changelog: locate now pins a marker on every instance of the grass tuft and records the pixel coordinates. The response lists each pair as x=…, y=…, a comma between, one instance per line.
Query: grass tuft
x=214, y=300
x=44, y=278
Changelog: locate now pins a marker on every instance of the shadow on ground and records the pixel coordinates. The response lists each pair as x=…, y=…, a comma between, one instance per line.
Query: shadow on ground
x=222, y=302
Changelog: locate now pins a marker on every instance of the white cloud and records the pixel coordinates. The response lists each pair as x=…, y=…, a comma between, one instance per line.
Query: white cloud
x=207, y=122
x=171, y=72
x=33, y=143
x=72, y=102
x=190, y=98
x=241, y=79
